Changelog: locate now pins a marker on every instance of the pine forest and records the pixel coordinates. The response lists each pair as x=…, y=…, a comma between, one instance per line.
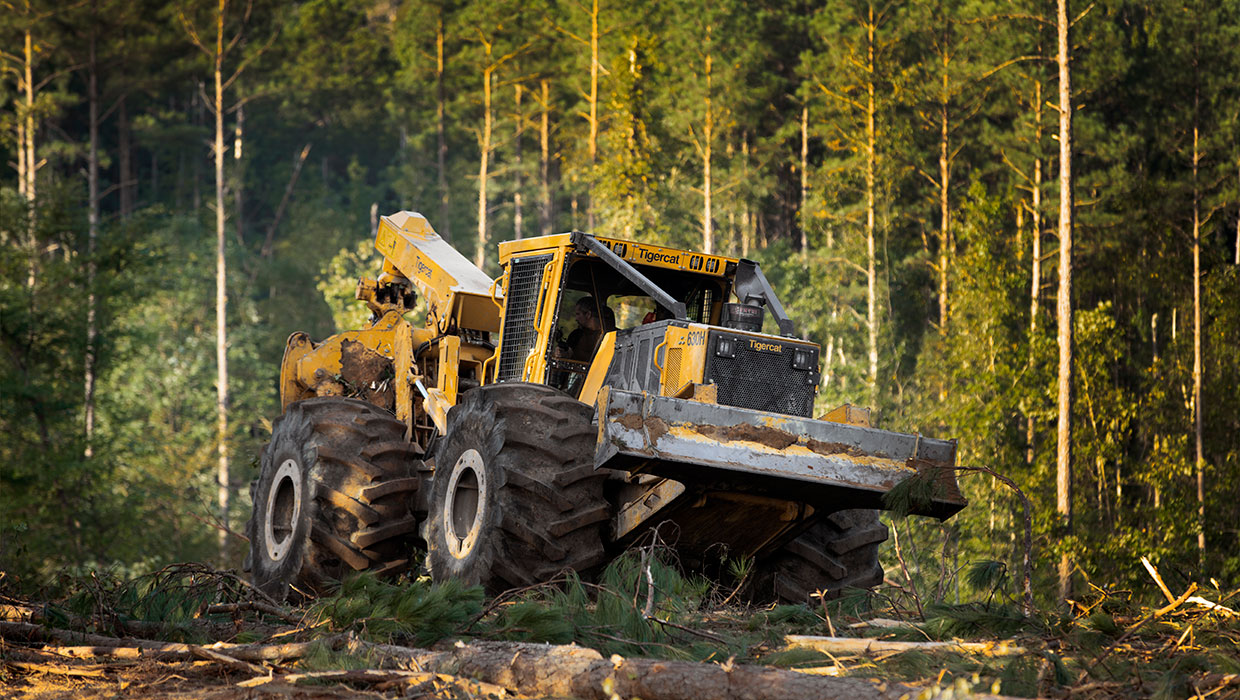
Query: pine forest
x=1015, y=224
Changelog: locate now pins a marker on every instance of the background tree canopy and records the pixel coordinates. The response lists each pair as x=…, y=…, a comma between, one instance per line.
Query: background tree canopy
x=891, y=165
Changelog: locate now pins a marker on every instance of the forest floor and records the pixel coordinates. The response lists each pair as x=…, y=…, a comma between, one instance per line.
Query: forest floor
x=641, y=631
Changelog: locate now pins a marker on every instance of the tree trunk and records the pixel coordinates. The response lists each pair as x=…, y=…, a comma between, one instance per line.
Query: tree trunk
x=28, y=119
x=593, y=145
x=746, y=215
x=1063, y=480
x=871, y=156
x=445, y=223
x=239, y=177
x=92, y=218
x=221, y=293
x=124, y=162
x=197, y=108
x=1035, y=286
x=944, y=212
x=708, y=137
x=1199, y=462
x=269, y=241
x=544, y=170
x=517, y=219
x=804, y=219
x=480, y=255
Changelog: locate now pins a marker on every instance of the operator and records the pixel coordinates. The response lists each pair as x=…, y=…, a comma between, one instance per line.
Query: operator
x=584, y=340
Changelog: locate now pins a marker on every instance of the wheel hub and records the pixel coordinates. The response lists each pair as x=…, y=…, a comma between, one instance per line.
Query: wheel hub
x=466, y=505
x=283, y=510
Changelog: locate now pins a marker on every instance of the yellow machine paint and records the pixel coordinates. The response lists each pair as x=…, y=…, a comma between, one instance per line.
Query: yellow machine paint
x=703, y=420
x=391, y=362
x=414, y=372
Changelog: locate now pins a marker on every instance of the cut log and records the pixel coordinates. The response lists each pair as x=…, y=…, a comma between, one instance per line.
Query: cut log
x=572, y=671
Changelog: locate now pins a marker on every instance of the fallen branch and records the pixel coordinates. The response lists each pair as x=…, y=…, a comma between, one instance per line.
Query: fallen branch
x=1157, y=579
x=97, y=645
x=690, y=630
x=254, y=605
x=229, y=661
x=1198, y=600
x=57, y=670
x=1192, y=588
x=1195, y=600
x=422, y=681
x=862, y=645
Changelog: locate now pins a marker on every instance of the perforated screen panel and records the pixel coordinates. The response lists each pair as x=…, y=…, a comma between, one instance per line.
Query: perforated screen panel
x=760, y=375
x=520, y=310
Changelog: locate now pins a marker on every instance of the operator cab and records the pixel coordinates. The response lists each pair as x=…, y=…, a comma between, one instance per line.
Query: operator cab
x=675, y=326
x=596, y=300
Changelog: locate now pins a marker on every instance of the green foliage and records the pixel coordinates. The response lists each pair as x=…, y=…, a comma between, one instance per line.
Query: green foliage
x=417, y=611
x=970, y=620
x=173, y=603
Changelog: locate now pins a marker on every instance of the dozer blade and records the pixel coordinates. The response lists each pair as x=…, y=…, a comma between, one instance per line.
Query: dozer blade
x=834, y=464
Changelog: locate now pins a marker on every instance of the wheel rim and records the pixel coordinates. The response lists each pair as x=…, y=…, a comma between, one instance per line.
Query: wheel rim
x=465, y=508
x=283, y=510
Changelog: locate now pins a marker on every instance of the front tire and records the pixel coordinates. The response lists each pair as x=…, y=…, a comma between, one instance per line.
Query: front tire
x=334, y=495
x=516, y=497
x=835, y=554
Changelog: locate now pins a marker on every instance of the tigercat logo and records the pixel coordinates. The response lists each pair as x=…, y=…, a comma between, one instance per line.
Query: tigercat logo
x=765, y=347
x=651, y=256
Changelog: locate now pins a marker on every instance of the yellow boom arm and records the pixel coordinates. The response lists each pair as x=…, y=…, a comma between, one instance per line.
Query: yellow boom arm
x=457, y=293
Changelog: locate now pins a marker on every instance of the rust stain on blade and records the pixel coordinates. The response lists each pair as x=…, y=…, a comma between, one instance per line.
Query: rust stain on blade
x=771, y=437
x=832, y=448
x=655, y=428
x=631, y=421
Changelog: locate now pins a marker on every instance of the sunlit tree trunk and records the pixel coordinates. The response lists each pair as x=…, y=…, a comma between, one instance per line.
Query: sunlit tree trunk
x=484, y=142
x=221, y=290
x=1063, y=480
x=1035, y=285
x=28, y=118
x=544, y=163
x=593, y=145
x=444, y=225
x=517, y=219
x=746, y=214
x=944, y=185
x=871, y=165
x=708, y=138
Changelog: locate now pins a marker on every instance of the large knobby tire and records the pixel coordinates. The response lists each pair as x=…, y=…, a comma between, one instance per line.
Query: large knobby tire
x=838, y=553
x=516, y=498
x=334, y=495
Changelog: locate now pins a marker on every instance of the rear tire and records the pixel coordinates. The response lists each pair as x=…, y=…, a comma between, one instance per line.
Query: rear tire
x=837, y=553
x=334, y=495
x=516, y=498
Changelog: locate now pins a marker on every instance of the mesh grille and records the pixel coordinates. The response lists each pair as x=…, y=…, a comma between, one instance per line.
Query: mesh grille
x=671, y=372
x=762, y=381
x=520, y=309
